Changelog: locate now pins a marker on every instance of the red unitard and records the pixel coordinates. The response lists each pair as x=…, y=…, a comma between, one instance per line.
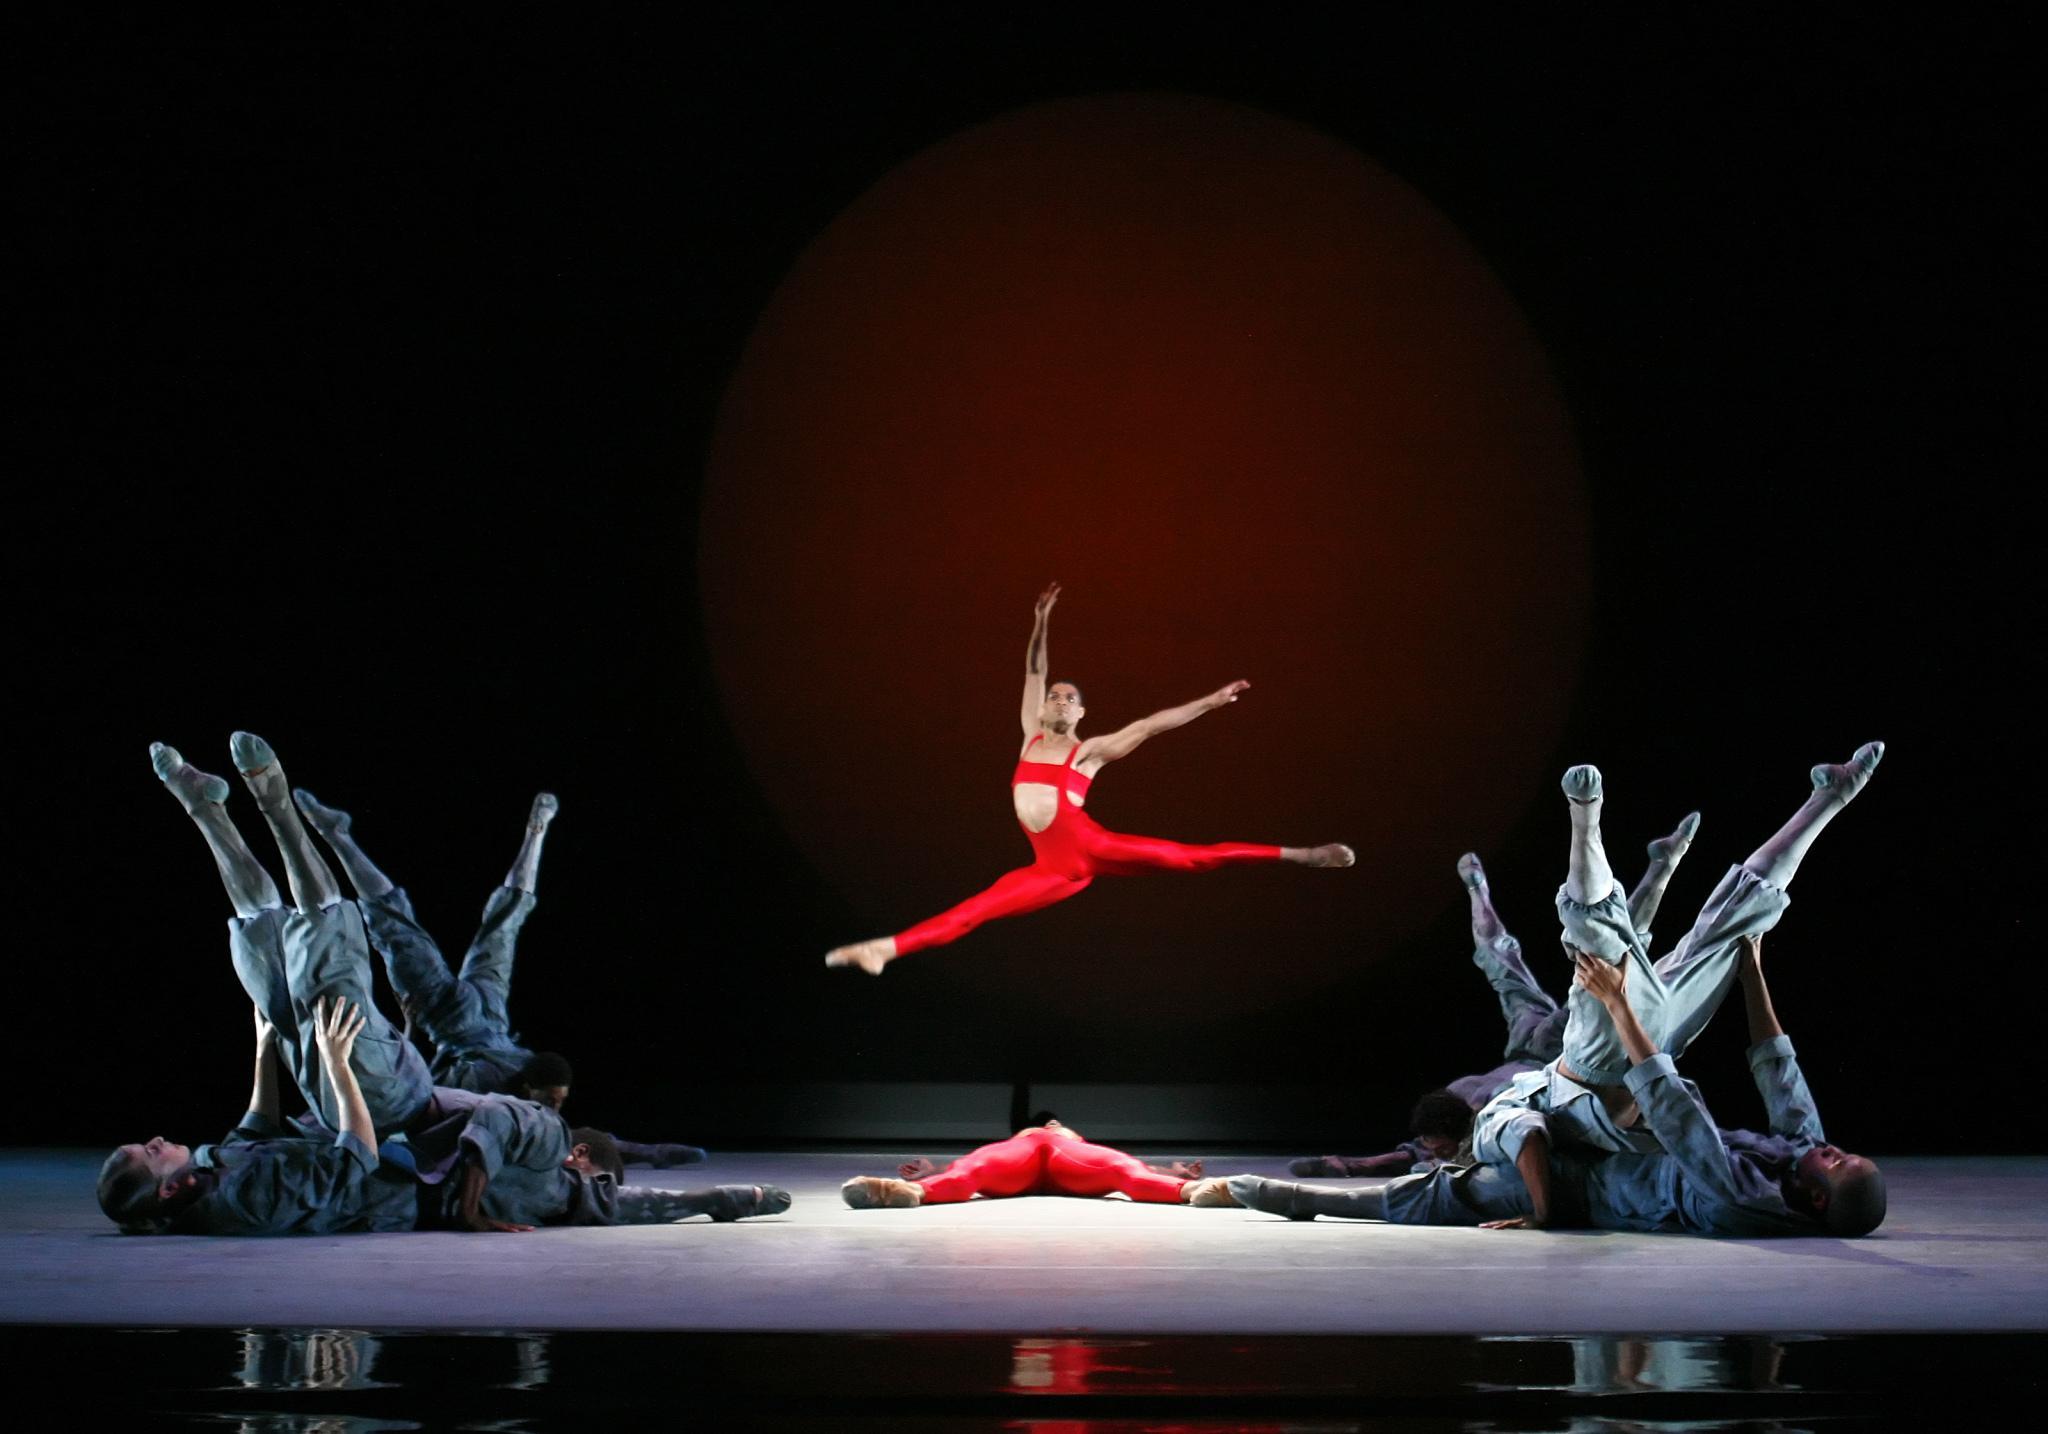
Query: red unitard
x=1072, y=851
x=1047, y=1162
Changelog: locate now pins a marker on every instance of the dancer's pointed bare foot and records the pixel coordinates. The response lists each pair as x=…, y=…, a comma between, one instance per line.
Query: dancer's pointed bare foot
x=261, y=772
x=330, y=822
x=1843, y=781
x=870, y=956
x=1332, y=854
x=1670, y=849
x=193, y=788
x=1471, y=872
x=879, y=1192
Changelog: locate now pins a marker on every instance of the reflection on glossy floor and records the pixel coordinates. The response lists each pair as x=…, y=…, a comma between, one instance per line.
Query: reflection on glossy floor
x=1965, y=1248
x=338, y=1381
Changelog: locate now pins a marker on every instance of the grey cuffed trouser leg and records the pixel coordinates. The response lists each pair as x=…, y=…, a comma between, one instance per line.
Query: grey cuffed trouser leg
x=465, y=1013
x=1674, y=997
x=1531, y=1014
x=327, y=955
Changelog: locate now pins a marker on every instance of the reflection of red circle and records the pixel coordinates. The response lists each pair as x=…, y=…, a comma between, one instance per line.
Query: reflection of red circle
x=1266, y=415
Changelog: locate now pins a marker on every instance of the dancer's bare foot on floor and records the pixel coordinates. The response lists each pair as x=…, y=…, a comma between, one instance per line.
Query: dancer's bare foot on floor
x=870, y=956
x=193, y=788
x=1845, y=780
x=1329, y=854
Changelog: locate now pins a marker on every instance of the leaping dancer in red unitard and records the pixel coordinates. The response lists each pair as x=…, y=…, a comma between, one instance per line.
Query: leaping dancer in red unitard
x=1049, y=788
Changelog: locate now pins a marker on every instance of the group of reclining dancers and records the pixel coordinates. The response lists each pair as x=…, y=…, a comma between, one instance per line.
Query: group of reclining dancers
x=1587, y=1122
x=473, y=1141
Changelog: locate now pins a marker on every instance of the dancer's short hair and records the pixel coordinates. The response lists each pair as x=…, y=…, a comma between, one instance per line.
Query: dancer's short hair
x=1440, y=1113
x=546, y=1070
x=128, y=1195
x=604, y=1151
x=1855, y=1199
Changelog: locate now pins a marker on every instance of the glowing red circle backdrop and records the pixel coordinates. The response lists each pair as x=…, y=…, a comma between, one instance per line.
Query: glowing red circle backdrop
x=1266, y=414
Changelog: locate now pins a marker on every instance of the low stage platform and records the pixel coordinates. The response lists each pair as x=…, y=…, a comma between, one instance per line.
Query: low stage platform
x=1965, y=1249
x=1057, y=1316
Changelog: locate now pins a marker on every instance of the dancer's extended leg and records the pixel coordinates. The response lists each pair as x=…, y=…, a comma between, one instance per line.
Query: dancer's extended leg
x=1079, y=1167
x=249, y=887
x=1834, y=787
x=1028, y=888
x=1531, y=1014
x=256, y=934
x=1589, y=877
x=1665, y=855
x=525, y=873
x=1121, y=854
x=312, y=883
x=461, y=1014
x=1698, y=974
x=336, y=829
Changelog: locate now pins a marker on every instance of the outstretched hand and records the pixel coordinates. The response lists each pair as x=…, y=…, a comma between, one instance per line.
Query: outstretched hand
x=1513, y=1222
x=1045, y=601
x=1604, y=983
x=917, y=1169
x=1225, y=695
x=335, y=1029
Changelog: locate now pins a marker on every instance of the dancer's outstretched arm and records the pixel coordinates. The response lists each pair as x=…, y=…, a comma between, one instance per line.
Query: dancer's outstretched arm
x=1123, y=743
x=263, y=1090
x=337, y=1023
x=1035, y=660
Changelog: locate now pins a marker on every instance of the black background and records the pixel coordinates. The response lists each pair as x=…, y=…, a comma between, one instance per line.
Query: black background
x=366, y=362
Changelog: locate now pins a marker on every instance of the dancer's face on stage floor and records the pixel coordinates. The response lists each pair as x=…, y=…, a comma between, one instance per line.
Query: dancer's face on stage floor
x=1062, y=710
x=163, y=1158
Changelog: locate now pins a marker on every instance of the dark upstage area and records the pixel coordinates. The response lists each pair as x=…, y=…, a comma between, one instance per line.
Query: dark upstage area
x=679, y=415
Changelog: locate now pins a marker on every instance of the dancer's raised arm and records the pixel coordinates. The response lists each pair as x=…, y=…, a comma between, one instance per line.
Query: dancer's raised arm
x=1126, y=741
x=1034, y=660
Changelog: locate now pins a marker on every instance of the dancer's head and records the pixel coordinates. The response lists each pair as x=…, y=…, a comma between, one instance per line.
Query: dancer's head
x=546, y=1078
x=1440, y=1122
x=1062, y=710
x=595, y=1153
x=1046, y=1120
x=141, y=1186
x=1843, y=1192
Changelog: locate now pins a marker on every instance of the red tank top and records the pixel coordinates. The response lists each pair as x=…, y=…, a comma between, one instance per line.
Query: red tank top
x=1052, y=774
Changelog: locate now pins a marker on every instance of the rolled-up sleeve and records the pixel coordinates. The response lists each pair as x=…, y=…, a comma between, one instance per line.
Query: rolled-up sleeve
x=255, y=1126
x=1500, y=1132
x=1680, y=1120
x=484, y=1139
x=1783, y=1087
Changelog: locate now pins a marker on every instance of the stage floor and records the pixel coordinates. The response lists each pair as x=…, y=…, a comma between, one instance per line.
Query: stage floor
x=1965, y=1249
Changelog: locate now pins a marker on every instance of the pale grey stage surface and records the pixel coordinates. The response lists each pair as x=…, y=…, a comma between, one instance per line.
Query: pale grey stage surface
x=1965, y=1248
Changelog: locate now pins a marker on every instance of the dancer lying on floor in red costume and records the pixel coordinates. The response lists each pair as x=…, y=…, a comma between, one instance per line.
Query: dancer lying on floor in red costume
x=1046, y=1159
x=1049, y=789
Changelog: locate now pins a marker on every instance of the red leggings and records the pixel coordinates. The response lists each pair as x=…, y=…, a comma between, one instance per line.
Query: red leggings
x=1039, y=1162
x=1072, y=852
